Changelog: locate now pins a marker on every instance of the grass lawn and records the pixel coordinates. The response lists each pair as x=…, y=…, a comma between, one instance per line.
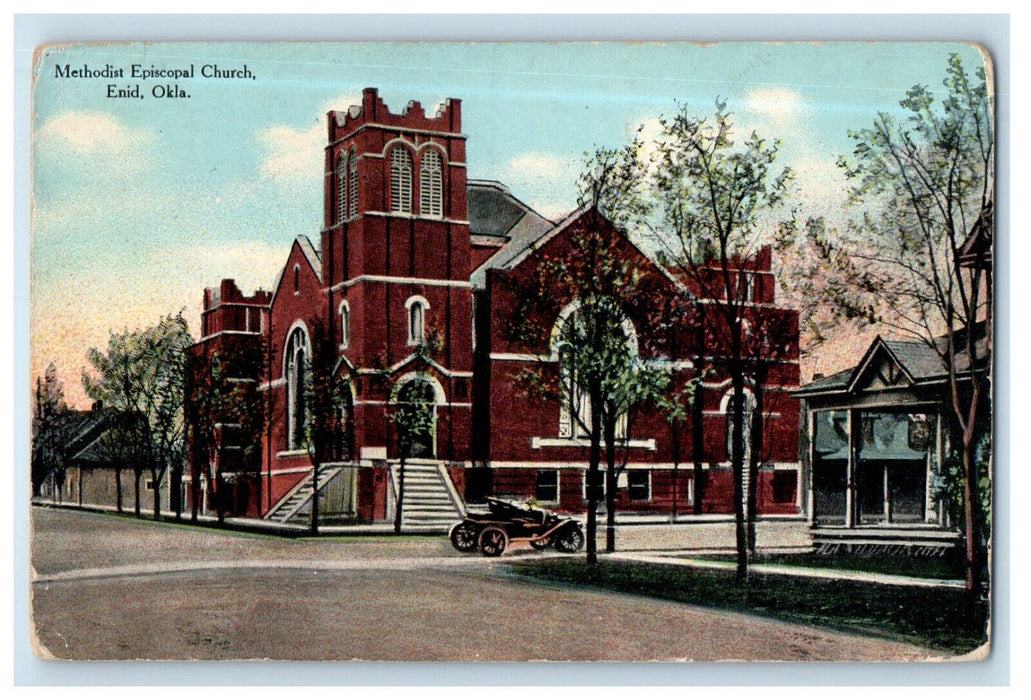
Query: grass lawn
x=941, y=619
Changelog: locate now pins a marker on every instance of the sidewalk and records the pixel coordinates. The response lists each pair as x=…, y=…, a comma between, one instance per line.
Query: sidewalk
x=685, y=559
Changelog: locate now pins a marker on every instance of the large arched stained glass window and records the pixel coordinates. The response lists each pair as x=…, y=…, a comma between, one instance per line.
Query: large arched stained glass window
x=296, y=359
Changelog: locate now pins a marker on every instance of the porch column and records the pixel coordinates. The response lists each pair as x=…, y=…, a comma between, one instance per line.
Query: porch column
x=805, y=471
x=854, y=441
x=887, y=495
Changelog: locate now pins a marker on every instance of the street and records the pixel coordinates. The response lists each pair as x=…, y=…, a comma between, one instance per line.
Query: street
x=114, y=588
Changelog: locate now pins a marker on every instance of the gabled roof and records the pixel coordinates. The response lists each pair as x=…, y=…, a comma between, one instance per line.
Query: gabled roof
x=89, y=428
x=918, y=361
x=310, y=255
x=494, y=212
x=977, y=249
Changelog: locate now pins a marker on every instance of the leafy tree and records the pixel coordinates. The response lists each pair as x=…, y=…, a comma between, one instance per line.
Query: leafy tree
x=599, y=377
x=710, y=205
x=919, y=187
x=49, y=430
x=323, y=398
x=140, y=380
x=225, y=405
x=415, y=417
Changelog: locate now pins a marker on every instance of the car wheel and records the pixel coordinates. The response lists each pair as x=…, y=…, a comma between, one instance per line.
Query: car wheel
x=541, y=544
x=570, y=540
x=463, y=537
x=493, y=541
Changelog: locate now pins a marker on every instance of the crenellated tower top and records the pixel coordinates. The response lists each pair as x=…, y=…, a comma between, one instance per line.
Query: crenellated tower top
x=373, y=110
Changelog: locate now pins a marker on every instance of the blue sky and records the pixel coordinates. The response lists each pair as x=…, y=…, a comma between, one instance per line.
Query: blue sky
x=140, y=204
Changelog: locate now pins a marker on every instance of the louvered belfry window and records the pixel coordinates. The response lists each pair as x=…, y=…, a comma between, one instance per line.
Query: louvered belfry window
x=341, y=175
x=352, y=197
x=431, y=193
x=401, y=180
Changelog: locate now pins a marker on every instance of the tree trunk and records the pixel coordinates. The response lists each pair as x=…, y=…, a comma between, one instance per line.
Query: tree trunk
x=315, y=498
x=755, y=456
x=157, y=494
x=972, y=518
x=138, y=474
x=593, y=480
x=118, y=490
x=737, y=468
x=610, y=484
x=194, y=493
x=698, y=447
x=176, y=491
x=398, y=512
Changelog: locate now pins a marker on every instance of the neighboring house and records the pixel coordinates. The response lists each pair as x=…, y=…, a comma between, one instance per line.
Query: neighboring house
x=875, y=439
x=95, y=470
x=412, y=252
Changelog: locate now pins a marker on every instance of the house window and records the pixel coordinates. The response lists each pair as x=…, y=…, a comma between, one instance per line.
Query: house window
x=784, y=486
x=416, y=307
x=296, y=359
x=352, y=193
x=345, y=324
x=639, y=485
x=401, y=180
x=431, y=194
x=341, y=175
x=546, y=490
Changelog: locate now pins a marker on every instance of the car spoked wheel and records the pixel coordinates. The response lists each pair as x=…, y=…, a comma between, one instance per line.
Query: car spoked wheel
x=463, y=537
x=542, y=543
x=570, y=540
x=493, y=541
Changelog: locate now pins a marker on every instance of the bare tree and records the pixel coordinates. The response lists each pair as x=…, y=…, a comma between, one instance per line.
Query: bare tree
x=712, y=206
x=920, y=187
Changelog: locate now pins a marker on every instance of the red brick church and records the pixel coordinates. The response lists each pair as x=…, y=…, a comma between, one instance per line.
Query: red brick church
x=412, y=255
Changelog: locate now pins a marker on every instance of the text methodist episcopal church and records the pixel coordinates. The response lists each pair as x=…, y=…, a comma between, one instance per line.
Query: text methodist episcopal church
x=413, y=250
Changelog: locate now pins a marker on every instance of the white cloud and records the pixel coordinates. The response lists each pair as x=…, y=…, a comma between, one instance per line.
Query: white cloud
x=779, y=105
x=99, y=138
x=293, y=153
x=540, y=165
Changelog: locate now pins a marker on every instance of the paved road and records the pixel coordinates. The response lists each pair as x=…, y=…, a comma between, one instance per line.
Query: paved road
x=109, y=588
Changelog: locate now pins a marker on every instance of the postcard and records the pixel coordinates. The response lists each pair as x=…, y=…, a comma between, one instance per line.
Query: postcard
x=512, y=352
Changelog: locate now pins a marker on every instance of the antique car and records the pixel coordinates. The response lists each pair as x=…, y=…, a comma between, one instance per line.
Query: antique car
x=511, y=521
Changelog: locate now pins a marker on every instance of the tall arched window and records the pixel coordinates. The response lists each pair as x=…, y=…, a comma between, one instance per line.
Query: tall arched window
x=345, y=324
x=578, y=323
x=401, y=180
x=341, y=176
x=416, y=308
x=352, y=193
x=296, y=359
x=431, y=186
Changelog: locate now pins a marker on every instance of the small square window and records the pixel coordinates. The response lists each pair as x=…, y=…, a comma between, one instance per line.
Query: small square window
x=784, y=486
x=547, y=486
x=639, y=485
